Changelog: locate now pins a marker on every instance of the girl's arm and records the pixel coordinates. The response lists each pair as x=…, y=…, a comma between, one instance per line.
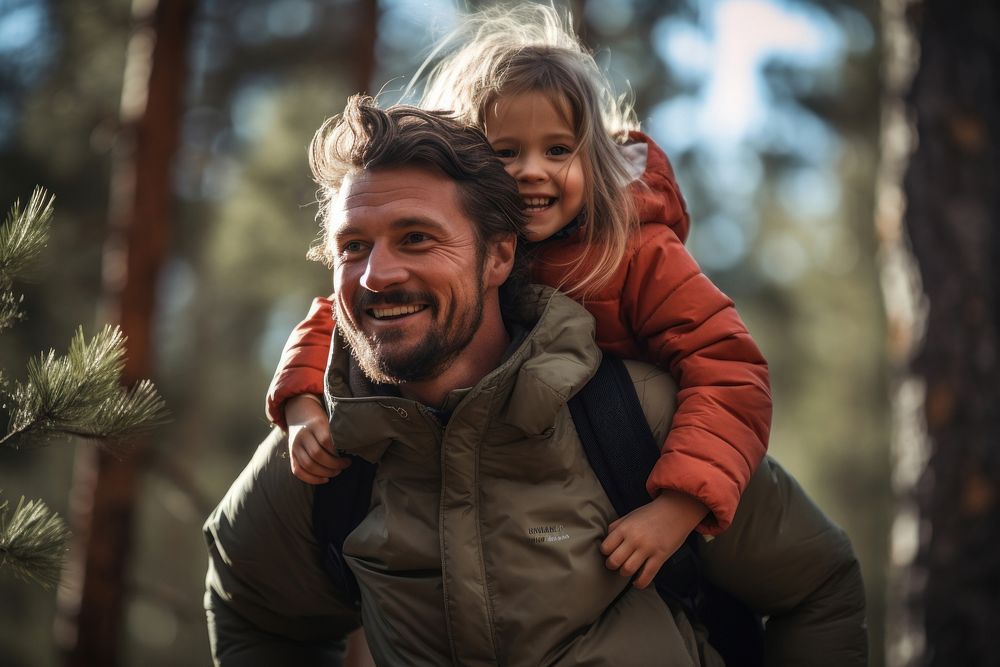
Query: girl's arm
x=294, y=400
x=682, y=322
x=303, y=361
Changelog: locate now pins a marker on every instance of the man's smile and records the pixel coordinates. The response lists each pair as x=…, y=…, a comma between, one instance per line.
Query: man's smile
x=392, y=312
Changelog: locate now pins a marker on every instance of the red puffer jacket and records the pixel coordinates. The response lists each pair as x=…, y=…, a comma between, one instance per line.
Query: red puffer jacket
x=659, y=308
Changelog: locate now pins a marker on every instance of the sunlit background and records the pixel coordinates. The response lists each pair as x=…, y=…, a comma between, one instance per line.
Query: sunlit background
x=769, y=111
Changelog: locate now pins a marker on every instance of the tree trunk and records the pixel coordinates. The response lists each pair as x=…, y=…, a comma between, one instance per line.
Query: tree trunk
x=102, y=500
x=945, y=539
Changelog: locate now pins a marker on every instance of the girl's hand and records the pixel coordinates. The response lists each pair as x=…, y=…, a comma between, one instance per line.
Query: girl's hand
x=639, y=543
x=310, y=446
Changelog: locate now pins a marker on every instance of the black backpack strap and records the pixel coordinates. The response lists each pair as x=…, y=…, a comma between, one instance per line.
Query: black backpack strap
x=622, y=451
x=338, y=507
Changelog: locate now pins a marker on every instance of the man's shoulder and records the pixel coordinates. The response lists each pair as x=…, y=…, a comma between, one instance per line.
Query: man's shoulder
x=657, y=394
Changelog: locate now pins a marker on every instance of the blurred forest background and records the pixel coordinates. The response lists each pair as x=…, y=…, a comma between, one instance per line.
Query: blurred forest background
x=769, y=109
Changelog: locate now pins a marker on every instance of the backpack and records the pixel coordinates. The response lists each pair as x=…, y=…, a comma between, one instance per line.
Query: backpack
x=622, y=451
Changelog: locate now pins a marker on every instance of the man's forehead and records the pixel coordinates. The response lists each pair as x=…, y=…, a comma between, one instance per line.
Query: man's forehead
x=392, y=190
x=388, y=195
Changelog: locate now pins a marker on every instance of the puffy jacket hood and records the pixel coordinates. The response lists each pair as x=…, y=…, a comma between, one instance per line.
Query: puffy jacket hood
x=657, y=195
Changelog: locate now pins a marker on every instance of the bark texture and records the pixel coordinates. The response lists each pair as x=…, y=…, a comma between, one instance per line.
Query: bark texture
x=952, y=188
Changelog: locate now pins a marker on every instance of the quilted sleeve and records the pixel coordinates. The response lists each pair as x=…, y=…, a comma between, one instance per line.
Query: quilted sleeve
x=269, y=601
x=684, y=324
x=303, y=361
x=786, y=560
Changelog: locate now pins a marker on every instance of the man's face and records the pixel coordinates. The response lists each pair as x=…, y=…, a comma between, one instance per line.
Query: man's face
x=408, y=272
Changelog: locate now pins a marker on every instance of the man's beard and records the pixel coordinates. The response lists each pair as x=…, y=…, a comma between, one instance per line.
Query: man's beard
x=380, y=357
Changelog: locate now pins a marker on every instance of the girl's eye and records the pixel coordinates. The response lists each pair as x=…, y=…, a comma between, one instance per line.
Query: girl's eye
x=505, y=153
x=560, y=151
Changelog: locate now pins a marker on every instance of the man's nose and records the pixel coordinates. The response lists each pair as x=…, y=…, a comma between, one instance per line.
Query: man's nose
x=383, y=270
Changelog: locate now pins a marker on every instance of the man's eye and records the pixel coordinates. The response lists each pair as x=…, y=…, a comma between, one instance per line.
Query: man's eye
x=416, y=237
x=560, y=150
x=352, y=247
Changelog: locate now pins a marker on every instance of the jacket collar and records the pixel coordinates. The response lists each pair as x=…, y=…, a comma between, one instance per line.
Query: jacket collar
x=525, y=393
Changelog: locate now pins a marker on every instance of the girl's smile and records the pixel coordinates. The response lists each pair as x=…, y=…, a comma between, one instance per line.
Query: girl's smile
x=533, y=136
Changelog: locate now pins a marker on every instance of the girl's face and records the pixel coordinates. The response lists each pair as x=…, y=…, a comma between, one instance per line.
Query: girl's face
x=534, y=139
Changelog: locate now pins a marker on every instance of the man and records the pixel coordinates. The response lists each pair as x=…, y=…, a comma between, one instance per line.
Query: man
x=480, y=546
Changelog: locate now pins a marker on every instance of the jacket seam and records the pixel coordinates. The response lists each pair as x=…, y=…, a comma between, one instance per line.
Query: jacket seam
x=442, y=539
x=490, y=602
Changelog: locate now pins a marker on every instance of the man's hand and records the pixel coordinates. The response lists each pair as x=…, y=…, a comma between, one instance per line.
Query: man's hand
x=310, y=446
x=642, y=540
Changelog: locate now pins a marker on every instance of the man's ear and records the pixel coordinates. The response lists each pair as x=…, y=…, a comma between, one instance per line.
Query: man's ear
x=499, y=260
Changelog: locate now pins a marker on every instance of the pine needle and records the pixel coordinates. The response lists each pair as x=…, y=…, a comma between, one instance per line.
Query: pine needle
x=10, y=309
x=23, y=236
x=33, y=542
x=79, y=395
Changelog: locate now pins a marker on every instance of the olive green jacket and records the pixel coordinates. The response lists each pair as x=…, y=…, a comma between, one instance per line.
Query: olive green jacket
x=481, y=545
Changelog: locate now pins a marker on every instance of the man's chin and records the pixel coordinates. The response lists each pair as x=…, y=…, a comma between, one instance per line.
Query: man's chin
x=394, y=372
x=384, y=362
x=396, y=366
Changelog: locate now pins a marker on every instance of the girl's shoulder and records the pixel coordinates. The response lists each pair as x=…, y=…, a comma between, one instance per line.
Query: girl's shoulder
x=651, y=239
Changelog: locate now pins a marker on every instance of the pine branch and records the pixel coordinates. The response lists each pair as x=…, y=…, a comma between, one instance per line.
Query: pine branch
x=23, y=236
x=74, y=395
x=33, y=542
x=79, y=395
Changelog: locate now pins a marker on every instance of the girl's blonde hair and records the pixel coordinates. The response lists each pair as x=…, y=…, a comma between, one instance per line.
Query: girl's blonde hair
x=532, y=48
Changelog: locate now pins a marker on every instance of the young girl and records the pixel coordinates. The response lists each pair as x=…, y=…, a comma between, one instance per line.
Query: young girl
x=606, y=224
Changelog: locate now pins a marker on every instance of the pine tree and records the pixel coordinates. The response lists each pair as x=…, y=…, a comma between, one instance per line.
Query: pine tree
x=75, y=396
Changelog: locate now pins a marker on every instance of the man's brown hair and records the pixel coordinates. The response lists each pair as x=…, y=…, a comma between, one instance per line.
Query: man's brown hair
x=366, y=137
